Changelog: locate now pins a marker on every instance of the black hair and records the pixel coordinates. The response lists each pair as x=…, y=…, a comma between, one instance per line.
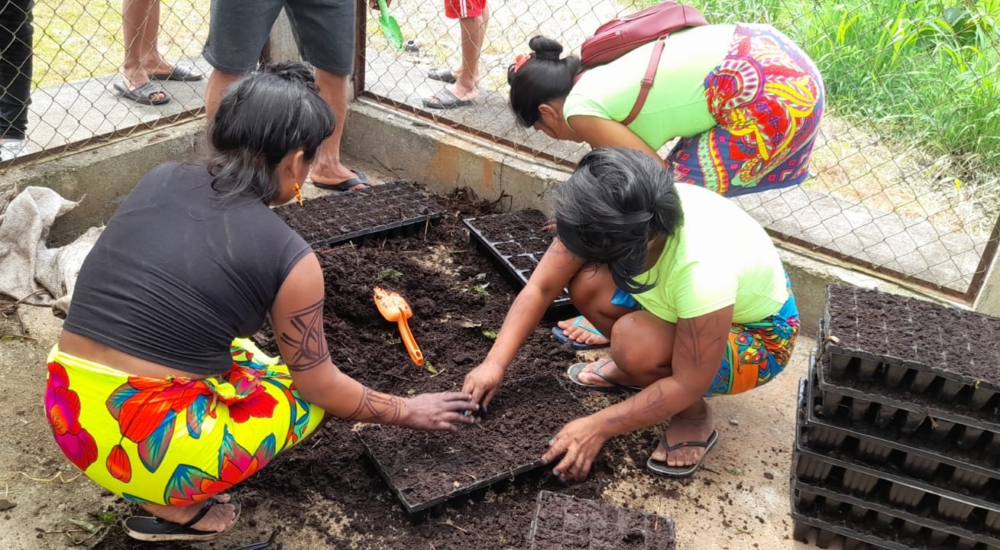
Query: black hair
x=261, y=118
x=614, y=204
x=543, y=78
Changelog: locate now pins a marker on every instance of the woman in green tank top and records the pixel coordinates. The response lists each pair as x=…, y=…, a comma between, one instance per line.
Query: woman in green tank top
x=745, y=101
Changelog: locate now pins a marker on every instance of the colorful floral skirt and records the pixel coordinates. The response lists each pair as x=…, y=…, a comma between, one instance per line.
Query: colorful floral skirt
x=767, y=98
x=757, y=352
x=175, y=441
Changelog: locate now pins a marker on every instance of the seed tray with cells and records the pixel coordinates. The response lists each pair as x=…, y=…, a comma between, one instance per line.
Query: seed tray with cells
x=957, y=517
x=833, y=454
x=917, y=393
x=516, y=243
x=389, y=210
x=936, y=441
x=859, y=525
x=564, y=522
x=920, y=345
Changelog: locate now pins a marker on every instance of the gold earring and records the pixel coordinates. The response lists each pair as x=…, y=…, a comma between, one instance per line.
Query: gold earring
x=298, y=193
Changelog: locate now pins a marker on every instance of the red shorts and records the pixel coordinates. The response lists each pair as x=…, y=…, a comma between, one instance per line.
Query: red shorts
x=463, y=9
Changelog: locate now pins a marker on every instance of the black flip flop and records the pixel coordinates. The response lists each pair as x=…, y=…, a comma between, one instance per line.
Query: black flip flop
x=660, y=468
x=153, y=529
x=574, y=375
x=443, y=75
x=181, y=73
x=142, y=94
x=446, y=100
x=346, y=185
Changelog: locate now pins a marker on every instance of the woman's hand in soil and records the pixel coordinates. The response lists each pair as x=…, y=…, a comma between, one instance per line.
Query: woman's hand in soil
x=483, y=382
x=580, y=440
x=438, y=411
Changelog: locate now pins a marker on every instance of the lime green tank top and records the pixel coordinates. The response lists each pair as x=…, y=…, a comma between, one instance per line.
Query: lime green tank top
x=720, y=257
x=676, y=105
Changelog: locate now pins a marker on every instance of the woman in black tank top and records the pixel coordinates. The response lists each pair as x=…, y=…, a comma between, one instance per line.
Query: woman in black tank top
x=152, y=390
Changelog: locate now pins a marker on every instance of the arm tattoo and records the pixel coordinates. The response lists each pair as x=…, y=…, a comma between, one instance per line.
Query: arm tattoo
x=306, y=338
x=376, y=408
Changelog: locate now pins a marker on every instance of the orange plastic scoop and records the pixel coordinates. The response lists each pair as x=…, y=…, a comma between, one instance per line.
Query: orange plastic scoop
x=395, y=309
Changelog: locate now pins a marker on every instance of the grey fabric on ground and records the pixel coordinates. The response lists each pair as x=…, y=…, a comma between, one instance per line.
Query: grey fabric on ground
x=27, y=266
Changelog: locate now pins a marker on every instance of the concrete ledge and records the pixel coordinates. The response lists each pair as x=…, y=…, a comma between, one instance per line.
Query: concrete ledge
x=103, y=175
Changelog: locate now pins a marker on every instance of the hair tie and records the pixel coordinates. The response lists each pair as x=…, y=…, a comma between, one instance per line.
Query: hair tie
x=520, y=60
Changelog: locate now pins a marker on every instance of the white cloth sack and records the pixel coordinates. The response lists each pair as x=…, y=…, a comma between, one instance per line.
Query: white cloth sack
x=26, y=265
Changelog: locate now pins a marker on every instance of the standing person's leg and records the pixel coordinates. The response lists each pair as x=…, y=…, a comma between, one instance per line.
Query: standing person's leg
x=16, y=33
x=136, y=16
x=236, y=36
x=473, y=16
x=325, y=29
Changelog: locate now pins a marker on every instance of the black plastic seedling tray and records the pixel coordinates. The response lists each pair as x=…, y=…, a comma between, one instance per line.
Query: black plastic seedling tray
x=933, y=362
x=564, y=521
x=821, y=459
x=394, y=209
x=552, y=393
x=518, y=267
x=914, y=396
x=927, y=447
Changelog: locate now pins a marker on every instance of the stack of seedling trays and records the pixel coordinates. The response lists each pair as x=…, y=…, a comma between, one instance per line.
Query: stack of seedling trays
x=394, y=209
x=564, y=521
x=516, y=243
x=898, y=433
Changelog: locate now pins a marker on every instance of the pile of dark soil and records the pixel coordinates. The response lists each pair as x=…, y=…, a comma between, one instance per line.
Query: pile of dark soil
x=327, y=485
x=564, y=522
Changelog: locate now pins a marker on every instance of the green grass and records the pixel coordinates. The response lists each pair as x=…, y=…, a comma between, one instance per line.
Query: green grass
x=77, y=39
x=921, y=72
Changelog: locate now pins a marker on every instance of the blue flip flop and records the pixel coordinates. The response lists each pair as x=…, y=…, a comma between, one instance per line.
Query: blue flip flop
x=578, y=322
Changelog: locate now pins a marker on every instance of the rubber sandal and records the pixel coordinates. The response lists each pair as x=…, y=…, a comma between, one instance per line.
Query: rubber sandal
x=660, y=468
x=578, y=322
x=181, y=73
x=346, y=185
x=446, y=100
x=443, y=75
x=574, y=375
x=141, y=95
x=153, y=529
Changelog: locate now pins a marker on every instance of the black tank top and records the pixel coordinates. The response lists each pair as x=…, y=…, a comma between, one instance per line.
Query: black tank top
x=180, y=271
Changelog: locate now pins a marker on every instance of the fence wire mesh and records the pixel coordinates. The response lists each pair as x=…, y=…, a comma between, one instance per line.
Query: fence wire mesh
x=906, y=169
x=63, y=63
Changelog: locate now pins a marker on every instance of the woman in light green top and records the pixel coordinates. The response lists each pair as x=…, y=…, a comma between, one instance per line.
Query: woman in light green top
x=744, y=100
x=690, y=288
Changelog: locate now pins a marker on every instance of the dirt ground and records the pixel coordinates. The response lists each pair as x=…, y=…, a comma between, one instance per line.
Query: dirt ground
x=739, y=500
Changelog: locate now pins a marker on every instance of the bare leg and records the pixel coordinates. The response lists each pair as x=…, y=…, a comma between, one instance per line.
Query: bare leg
x=218, y=519
x=135, y=26
x=218, y=83
x=327, y=168
x=473, y=32
x=149, y=38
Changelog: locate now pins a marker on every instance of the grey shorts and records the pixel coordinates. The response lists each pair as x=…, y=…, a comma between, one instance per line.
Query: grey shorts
x=238, y=30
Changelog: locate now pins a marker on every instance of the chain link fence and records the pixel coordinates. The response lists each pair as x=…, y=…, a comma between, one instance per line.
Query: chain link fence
x=906, y=170
x=64, y=64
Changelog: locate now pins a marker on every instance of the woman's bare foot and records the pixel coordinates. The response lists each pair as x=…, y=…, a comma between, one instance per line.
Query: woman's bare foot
x=578, y=332
x=609, y=369
x=219, y=518
x=693, y=424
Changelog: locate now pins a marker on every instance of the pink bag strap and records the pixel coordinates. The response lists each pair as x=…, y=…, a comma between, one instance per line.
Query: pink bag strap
x=647, y=82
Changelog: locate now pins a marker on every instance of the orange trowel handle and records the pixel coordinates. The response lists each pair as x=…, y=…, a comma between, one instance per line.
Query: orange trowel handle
x=411, y=344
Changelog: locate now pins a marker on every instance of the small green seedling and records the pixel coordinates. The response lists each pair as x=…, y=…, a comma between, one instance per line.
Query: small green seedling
x=490, y=335
x=481, y=289
x=390, y=274
x=480, y=277
x=734, y=470
x=430, y=368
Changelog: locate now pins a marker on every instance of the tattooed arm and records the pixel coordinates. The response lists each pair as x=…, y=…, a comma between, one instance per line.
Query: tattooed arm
x=554, y=272
x=297, y=319
x=699, y=344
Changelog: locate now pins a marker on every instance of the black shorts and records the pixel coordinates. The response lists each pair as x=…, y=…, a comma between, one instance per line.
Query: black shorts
x=238, y=29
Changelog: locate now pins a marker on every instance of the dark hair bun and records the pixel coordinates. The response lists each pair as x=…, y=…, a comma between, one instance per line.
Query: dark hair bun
x=290, y=71
x=545, y=48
